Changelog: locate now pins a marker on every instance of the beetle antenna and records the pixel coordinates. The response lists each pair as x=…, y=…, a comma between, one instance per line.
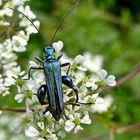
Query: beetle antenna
x=41, y=37
x=63, y=19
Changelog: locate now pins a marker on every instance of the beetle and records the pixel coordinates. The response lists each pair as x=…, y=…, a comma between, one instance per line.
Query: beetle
x=54, y=79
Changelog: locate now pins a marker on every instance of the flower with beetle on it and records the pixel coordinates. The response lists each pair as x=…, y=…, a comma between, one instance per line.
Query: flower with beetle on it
x=37, y=120
x=74, y=115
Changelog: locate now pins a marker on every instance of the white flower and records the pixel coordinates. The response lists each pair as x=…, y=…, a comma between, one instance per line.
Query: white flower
x=29, y=102
x=99, y=100
x=8, y=12
x=48, y=115
x=41, y=125
x=17, y=2
x=32, y=64
x=19, y=43
x=57, y=46
x=102, y=106
x=19, y=98
x=31, y=29
x=77, y=128
x=79, y=59
x=30, y=131
x=51, y=137
x=61, y=134
x=93, y=63
x=9, y=81
x=81, y=68
x=109, y=80
x=69, y=125
x=13, y=72
x=27, y=11
x=86, y=120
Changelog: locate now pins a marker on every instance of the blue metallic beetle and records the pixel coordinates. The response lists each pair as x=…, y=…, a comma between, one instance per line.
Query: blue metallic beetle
x=54, y=81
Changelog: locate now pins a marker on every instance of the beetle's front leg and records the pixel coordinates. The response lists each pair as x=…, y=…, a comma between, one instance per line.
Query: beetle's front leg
x=59, y=57
x=39, y=59
x=41, y=94
x=66, y=64
x=32, y=68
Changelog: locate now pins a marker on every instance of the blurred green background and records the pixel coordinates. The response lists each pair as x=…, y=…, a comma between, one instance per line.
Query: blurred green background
x=107, y=27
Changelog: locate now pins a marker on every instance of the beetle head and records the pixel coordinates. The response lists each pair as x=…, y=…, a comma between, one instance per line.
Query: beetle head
x=49, y=53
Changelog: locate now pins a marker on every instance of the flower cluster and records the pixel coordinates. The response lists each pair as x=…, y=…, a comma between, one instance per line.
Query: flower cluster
x=88, y=77
x=38, y=120
x=14, y=40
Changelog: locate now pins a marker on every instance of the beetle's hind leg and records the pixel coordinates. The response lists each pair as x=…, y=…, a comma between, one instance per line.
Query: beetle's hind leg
x=41, y=94
x=66, y=80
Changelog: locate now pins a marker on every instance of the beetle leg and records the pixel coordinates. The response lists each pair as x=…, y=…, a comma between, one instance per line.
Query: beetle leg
x=39, y=59
x=66, y=80
x=41, y=94
x=58, y=58
x=29, y=73
x=66, y=64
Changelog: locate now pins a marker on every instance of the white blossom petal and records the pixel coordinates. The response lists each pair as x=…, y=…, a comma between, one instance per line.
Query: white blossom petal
x=102, y=74
x=93, y=63
x=86, y=120
x=32, y=64
x=30, y=131
x=19, y=98
x=79, y=59
x=81, y=68
x=103, y=107
x=100, y=100
x=58, y=46
x=77, y=128
x=41, y=125
x=61, y=134
x=9, y=81
x=69, y=125
x=110, y=80
x=52, y=137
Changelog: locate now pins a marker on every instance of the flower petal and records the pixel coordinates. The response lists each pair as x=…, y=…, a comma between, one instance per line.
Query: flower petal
x=86, y=120
x=102, y=74
x=110, y=80
x=58, y=46
x=19, y=98
x=82, y=68
x=30, y=131
x=52, y=137
x=77, y=128
x=79, y=59
x=69, y=125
